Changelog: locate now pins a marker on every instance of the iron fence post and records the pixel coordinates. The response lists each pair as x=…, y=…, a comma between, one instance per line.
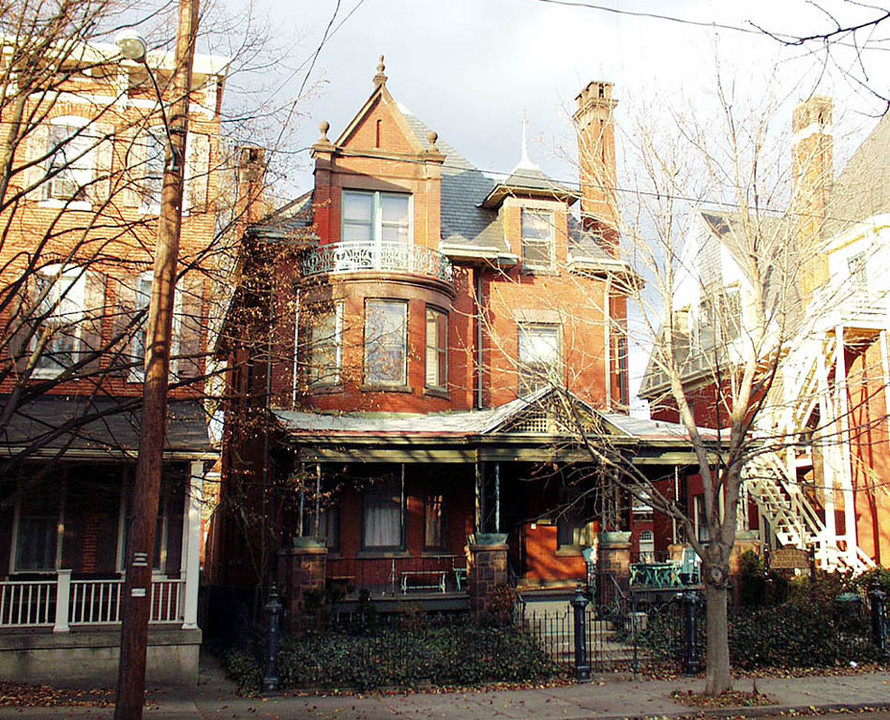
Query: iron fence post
x=690, y=626
x=878, y=624
x=273, y=639
x=582, y=668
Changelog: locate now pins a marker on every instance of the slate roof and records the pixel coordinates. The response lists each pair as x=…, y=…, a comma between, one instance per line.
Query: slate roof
x=464, y=424
x=863, y=189
x=289, y=221
x=98, y=426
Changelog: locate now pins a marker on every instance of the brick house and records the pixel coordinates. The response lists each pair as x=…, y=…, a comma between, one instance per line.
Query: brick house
x=824, y=489
x=79, y=226
x=413, y=327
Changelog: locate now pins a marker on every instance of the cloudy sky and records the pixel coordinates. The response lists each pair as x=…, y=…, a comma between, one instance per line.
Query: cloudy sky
x=472, y=68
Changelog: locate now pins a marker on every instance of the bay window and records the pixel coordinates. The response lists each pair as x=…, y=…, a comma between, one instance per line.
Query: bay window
x=325, y=345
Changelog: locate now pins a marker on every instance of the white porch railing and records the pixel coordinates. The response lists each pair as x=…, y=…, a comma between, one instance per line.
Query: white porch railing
x=358, y=256
x=63, y=602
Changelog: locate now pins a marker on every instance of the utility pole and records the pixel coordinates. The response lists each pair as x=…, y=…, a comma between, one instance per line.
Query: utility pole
x=141, y=541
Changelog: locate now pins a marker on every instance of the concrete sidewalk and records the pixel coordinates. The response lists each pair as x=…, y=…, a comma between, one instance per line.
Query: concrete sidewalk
x=605, y=697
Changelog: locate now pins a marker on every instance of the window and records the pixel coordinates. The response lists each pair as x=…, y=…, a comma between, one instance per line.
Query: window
x=537, y=240
x=701, y=519
x=39, y=528
x=857, y=269
x=436, y=349
x=376, y=217
x=59, y=296
x=647, y=546
x=72, y=160
x=382, y=515
x=151, y=149
x=434, y=521
x=569, y=529
x=325, y=345
x=386, y=340
x=143, y=295
x=540, y=356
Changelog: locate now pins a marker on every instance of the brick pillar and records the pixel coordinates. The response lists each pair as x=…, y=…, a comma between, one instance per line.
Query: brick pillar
x=300, y=570
x=614, y=554
x=486, y=571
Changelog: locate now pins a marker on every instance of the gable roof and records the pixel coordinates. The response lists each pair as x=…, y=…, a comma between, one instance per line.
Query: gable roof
x=863, y=189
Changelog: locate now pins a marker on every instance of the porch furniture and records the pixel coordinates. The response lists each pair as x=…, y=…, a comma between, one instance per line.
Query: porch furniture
x=655, y=575
x=460, y=577
x=423, y=580
x=690, y=567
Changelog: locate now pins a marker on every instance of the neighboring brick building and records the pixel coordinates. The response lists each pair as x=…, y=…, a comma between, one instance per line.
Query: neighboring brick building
x=417, y=326
x=79, y=220
x=825, y=490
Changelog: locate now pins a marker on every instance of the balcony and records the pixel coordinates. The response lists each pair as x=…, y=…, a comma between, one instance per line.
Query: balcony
x=384, y=257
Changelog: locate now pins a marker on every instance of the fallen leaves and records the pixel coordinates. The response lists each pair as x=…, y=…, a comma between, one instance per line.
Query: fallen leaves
x=24, y=695
x=730, y=698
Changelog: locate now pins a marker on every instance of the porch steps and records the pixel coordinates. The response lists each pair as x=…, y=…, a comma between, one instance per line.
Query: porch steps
x=552, y=622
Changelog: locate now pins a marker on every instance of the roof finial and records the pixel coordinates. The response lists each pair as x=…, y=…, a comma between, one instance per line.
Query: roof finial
x=380, y=78
x=524, y=161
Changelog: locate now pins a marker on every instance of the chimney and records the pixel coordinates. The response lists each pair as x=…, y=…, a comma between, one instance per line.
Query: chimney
x=251, y=178
x=596, y=158
x=812, y=174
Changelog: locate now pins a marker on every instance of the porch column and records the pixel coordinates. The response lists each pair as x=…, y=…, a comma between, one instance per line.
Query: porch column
x=486, y=572
x=63, y=600
x=843, y=409
x=190, y=565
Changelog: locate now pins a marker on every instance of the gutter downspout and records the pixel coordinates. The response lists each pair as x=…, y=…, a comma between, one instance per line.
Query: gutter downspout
x=479, y=353
x=607, y=340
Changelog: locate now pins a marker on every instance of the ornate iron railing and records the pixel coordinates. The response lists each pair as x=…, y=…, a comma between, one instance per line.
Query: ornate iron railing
x=348, y=257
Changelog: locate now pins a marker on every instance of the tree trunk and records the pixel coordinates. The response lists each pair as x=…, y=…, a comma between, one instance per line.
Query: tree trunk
x=718, y=678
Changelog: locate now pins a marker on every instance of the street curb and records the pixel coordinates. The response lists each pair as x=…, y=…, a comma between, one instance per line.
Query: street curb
x=757, y=711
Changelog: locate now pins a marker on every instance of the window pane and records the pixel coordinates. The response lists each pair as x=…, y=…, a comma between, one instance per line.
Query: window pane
x=151, y=174
x=60, y=297
x=436, y=349
x=433, y=525
x=356, y=233
x=386, y=326
x=383, y=515
x=324, y=346
x=71, y=162
x=37, y=530
x=395, y=209
x=540, y=356
x=537, y=239
x=358, y=207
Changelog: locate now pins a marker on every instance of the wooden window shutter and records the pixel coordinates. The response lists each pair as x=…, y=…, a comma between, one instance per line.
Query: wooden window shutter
x=104, y=153
x=93, y=313
x=124, y=327
x=191, y=325
x=197, y=173
x=35, y=159
x=21, y=326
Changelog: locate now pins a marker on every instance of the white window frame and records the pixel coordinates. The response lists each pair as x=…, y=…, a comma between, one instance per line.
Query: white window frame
x=377, y=223
x=534, y=375
x=82, y=166
x=394, y=481
x=549, y=244
x=434, y=355
x=332, y=374
x=66, y=308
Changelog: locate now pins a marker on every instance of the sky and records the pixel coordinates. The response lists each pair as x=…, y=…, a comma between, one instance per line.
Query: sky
x=473, y=69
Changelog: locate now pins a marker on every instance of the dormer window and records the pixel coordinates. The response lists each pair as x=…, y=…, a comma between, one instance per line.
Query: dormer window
x=376, y=218
x=537, y=241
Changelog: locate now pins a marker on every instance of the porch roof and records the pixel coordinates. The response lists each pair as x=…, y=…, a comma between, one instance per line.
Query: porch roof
x=89, y=427
x=497, y=433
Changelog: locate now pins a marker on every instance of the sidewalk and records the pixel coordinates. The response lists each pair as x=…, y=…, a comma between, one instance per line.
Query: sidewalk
x=604, y=698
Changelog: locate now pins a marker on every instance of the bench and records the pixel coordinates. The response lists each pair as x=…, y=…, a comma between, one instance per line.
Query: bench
x=460, y=576
x=423, y=580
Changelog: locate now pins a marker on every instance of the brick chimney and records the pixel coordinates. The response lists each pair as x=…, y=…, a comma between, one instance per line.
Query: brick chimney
x=812, y=164
x=596, y=158
x=251, y=180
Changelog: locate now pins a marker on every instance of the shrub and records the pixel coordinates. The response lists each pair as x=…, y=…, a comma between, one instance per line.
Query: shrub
x=406, y=654
x=243, y=668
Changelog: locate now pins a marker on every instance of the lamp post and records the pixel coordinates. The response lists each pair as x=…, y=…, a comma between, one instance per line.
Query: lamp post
x=140, y=553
